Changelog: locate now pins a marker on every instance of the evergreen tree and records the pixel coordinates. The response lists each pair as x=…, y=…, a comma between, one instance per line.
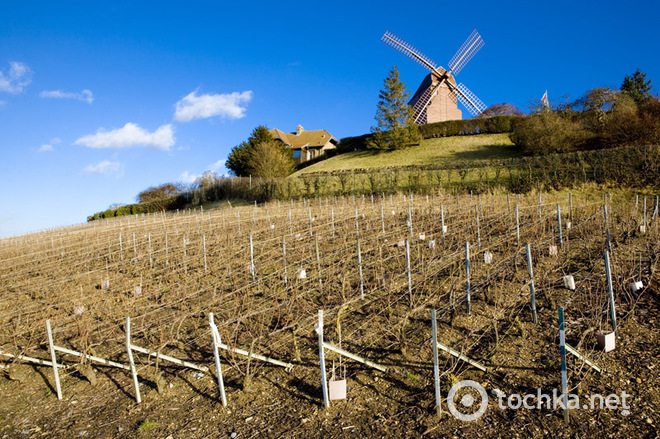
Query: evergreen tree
x=396, y=126
x=637, y=87
x=238, y=160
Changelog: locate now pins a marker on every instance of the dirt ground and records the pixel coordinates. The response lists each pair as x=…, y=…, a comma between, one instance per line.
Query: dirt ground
x=391, y=326
x=399, y=403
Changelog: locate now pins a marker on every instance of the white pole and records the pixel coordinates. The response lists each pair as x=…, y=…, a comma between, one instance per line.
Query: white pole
x=136, y=384
x=215, y=336
x=360, y=270
x=252, y=268
x=204, y=244
x=564, y=375
x=151, y=260
x=324, y=381
x=286, y=280
x=610, y=292
x=409, y=273
x=53, y=359
x=517, y=226
x=185, y=265
x=436, y=367
x=467, y=276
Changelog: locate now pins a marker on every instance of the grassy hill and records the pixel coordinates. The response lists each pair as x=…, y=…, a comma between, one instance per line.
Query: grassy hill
x=429, y=152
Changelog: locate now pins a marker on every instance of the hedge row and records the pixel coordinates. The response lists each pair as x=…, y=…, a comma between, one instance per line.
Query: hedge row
x=629, y=166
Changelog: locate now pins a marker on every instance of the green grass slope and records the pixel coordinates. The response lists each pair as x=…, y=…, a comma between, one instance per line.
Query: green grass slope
x=428, y=152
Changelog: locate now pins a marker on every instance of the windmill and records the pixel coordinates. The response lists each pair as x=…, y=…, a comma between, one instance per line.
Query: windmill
x=436, y=98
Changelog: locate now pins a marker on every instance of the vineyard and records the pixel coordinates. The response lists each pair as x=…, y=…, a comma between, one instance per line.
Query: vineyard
x=376, y=265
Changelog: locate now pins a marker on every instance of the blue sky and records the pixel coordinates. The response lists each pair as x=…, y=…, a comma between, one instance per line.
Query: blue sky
x=100, y=100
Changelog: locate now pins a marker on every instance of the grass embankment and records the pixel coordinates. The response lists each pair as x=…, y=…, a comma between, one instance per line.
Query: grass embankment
x=429, y=152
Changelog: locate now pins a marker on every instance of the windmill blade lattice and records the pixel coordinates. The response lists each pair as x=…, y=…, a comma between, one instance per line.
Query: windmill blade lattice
x=407, y=49
x=423, y=102
x=470, y=100
x=465, y=53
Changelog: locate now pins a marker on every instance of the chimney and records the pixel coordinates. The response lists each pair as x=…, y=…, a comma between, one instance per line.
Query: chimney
x=299, y=130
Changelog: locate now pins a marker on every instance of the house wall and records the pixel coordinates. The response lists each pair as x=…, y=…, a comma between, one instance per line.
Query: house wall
x=442, y=107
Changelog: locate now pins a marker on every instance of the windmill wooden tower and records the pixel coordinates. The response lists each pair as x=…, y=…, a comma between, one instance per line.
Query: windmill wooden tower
x=437, y=97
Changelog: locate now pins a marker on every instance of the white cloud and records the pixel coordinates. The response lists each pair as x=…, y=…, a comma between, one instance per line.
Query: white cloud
x=128, y=136
x=230, y=105
x=18, y=77
x=188, y=178
x=49, y=146
x=85, y=95
x=105, y=167
x=219, y=167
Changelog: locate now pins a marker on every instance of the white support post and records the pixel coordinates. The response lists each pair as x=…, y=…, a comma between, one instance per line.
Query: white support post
x=517, y=226
x=215, y=336
x=252, y=267
x=204, y=244
x=579, y=356
x=332, y=216
x=53, y=359
x=185, y=264
x=436, y=366
x=136, y=384
x=151, y=260
x=532, y=292
x=32, y=360
x=476, y=213
x=324, y=380
x=286, y=280
x=462, y=357
x=408, y=273
x=167, y=252
x=347, y=354
x=442, y=221
x=359, y=255
x=168, y=358
x=318, y=259
x=561, y=240
x=610, y=291
x=564, y=374
x=92, y=358
x=467, y=276
x=287, y=366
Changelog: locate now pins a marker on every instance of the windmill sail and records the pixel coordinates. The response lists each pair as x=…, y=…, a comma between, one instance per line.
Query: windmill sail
x=470, y=100
x=411, y=52
x=469, y=48
x=442, y=83
x=423, y=102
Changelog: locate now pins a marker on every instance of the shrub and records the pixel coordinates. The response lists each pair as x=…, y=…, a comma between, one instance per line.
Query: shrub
x=548, y=132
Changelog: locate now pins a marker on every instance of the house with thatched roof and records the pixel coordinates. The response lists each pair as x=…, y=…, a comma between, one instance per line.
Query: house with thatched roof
x=306, y=145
